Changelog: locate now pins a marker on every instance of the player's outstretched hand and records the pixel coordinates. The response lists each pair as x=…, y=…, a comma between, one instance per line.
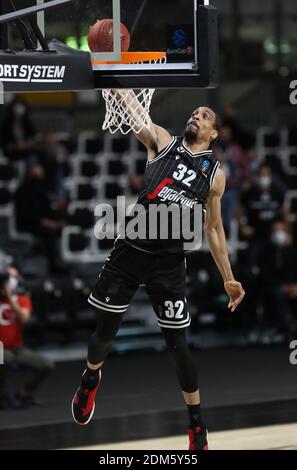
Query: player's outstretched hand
x=236, y=293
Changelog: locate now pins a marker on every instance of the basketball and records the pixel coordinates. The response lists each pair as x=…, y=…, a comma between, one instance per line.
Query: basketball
x=100, y=37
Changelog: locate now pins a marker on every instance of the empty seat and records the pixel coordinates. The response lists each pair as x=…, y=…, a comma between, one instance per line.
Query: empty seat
x=93, y=145
x=274, y=161
x=55, y=297
x=290, y=165
x=291, y=203
x=82, y=217
x=291, y=181
x=78, y=242
x=120, y=145
x=272, y=139
x=116, y=167
x=5, y=196
x=89, y=168
x=294, y=205
x=112, y=190
x=86, y=192
x=293, y=161
x=69, y=143
x=293, y=137
x=7, y=172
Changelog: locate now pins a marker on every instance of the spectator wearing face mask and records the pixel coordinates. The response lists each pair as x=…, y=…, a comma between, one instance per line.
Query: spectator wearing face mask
x=35, y=214
x=21, y=142
x=260, y=207
x=278, y=274
x=18, y=132
x=15, y=311
x=235, y=164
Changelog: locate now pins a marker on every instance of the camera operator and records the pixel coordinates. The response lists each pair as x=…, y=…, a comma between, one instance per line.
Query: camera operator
x=15, y=311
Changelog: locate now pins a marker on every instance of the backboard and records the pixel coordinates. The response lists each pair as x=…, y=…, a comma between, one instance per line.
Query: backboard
x=185, y=31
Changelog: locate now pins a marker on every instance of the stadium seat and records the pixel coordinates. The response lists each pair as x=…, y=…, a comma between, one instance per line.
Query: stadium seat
x=7, y=172
x=5, y=196
x=116, y=167
x=112, y=190
x=292, y=138
x=291, y=203
x=78, y=242
x=6, y=201
x=89, y=168
x=86, y=192
x=267, y=138
x=293, y=162
x=81, y=217
x=90, y=143
x=120, y=144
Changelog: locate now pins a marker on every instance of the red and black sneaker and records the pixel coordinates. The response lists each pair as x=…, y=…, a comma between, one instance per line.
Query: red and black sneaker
x=83, y=403
x=198, y=438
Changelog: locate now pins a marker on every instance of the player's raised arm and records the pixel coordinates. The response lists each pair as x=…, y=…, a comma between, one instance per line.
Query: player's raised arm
x=154, y=137
x=215, y=235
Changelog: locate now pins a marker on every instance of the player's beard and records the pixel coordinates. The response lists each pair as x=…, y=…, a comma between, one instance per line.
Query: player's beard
x=190, y=136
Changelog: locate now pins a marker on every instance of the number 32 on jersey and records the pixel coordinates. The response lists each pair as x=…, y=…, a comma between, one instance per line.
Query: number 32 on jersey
x=174, y=309
x=184, y=175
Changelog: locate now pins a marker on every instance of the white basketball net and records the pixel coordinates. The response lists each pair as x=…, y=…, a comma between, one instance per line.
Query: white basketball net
x=127, y=110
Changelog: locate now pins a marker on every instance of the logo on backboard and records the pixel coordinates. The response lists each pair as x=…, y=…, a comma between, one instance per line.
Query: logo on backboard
x=180, y=43
x=32, y=73
x=179, y=38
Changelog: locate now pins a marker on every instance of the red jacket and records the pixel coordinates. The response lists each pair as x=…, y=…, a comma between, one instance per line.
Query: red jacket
x=11, y=328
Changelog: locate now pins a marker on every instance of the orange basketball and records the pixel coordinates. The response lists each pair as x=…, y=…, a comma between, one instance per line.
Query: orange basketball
x=100, y=37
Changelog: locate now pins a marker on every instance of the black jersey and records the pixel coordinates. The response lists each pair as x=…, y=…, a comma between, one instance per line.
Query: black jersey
x=175, y=176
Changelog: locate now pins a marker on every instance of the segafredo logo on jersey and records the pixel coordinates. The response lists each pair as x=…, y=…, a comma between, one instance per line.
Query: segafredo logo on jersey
x=32, y=73
x=168, y=194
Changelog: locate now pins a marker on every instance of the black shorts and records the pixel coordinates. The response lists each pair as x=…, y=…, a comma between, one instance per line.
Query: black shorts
x=126, y=268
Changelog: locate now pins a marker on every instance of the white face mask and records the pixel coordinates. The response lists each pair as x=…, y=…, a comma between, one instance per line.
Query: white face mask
x=13, y=283
x=19, y=109
x=280, y=237
x=265, y=182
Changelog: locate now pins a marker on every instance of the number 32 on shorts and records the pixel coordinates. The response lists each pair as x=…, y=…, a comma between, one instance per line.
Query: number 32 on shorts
x=174, y=309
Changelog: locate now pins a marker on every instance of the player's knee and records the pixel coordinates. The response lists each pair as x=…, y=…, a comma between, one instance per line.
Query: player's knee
x=100, y=345
x=175, y=338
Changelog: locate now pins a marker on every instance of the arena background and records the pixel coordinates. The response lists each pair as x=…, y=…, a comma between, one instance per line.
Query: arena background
x=247, y=379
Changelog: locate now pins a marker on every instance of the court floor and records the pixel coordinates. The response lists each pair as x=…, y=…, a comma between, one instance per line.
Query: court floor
x=279, y=437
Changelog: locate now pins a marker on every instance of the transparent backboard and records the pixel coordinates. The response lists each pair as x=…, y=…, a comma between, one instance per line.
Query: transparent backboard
x=173, y=28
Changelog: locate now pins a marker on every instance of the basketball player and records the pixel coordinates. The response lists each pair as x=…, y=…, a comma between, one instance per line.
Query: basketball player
x=185, y=165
